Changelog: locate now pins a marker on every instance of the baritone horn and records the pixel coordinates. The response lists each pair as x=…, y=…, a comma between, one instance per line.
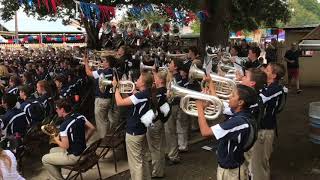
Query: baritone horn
x=125, y=87
x=188, y=101
x=51, y=130
x=224, y=86
x=144, y=67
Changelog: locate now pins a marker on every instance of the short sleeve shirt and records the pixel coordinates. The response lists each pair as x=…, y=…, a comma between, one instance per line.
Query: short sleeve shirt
x=141, y=104
x=232, y=135
x=73, y=127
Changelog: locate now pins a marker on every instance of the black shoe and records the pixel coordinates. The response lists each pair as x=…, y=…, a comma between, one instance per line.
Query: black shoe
x=173, y=161
x=299, y=91
x=157, y=177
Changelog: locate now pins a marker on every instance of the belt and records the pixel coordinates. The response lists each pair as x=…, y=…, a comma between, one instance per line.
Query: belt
x=231, y=167
x=135, y=134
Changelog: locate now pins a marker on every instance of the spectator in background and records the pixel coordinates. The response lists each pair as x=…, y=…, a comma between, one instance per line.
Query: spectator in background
x=271, y=51
x=292, y=58
x=244, y=49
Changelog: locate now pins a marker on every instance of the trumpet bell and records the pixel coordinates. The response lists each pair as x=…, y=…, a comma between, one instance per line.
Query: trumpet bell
x=125, y=87
x=188, y=101
x=50, y=130
x=224, y=86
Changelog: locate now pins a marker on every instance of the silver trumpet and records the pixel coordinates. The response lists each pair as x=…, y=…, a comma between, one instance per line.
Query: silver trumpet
x=125, y=87
x=149, y=68
x=188, y=101
x=224, y=86
x=92, y=63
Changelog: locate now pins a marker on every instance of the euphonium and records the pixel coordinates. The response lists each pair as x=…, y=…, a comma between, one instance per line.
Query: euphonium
x=51, y=130
x=224, y=86
x=188, y=104
x=125, y=87
x=149, y=68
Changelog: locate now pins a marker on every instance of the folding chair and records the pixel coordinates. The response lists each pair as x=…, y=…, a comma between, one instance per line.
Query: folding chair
x=112, y=142
x=87, y=160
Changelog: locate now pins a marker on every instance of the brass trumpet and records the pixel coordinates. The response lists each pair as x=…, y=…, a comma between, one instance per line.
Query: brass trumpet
x=179, y=56
x=150, y=68
x=92, y=63
x=224, y=86
x=188, y=104
x=125, y=87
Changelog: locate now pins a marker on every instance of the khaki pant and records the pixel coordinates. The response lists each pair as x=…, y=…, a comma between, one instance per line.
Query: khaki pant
x=259, y=164
x=137, y=160
x=171, y=133
x=106, y=117
x=58, y=157
x=232, y=174
x=156, y=142
x=182, y=130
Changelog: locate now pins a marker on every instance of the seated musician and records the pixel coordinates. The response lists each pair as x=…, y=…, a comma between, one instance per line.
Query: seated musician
x=45, y=97
x=62, y=87
x=14, y=122
x=14, y=82
x=74, y=133
x=231, y=134
x=34, y=110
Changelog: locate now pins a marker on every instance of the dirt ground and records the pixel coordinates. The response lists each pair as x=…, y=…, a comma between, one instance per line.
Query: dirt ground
x=294, y=156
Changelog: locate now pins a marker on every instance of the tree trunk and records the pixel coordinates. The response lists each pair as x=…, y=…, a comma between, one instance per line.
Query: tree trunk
x=214, y=30
x=93, y=41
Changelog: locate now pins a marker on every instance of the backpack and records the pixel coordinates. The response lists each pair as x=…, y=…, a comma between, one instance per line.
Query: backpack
x=253, y=133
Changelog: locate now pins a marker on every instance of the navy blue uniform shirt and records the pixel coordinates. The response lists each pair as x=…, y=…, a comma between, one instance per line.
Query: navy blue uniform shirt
x=271, y=97
x=14, y=121
x=73, y=127
x=232, y=134
x=141, y=104
x=107, y=75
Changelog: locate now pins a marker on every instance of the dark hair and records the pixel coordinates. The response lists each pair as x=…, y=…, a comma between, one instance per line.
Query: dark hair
x=10, y=100
x=258, y=76
x=111, y=60
x=63, y=103
x=277, y=69
x=28, y=77
x=16, y=80
x=247, y=94
x=45, y=84
x=61, y=78
x=237, y=48
x=255, y=50
x=194, y=49
x=178, y=63
x=26, y=89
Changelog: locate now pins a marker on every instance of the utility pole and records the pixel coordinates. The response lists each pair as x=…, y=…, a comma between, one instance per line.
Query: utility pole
x=16, y=38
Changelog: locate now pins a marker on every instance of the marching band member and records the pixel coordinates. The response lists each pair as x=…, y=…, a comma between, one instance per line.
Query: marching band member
x=75, y=131
x=254, y=53
x=231, y=134
x=106, y=115
x=14, y=82
x=183, y=122
x=171, y=125
x=34, y=110
x=136, y=142
x=14, y=122
x=155, y=133
x=262, y=149
x=45, y=97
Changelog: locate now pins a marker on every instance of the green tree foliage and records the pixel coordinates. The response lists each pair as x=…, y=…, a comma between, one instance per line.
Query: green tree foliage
x=304, y=12
x=224, y=15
